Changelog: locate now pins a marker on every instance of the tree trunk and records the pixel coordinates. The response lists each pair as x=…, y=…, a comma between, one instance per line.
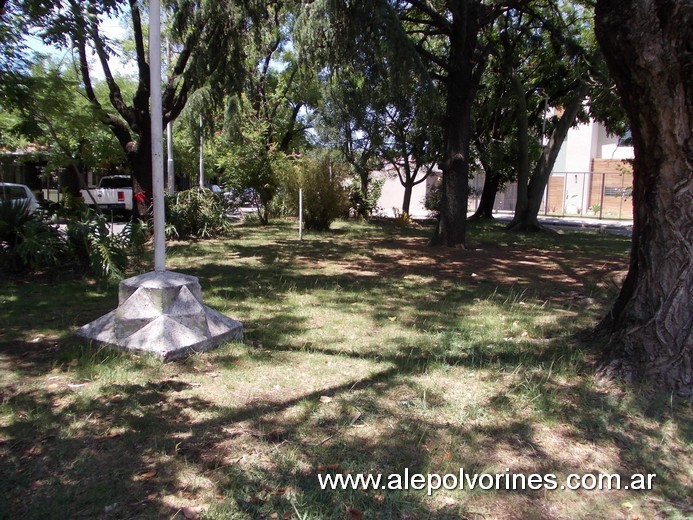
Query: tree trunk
x=364, y=178
x=406, y=202
x=488, y=196
x=462, y=84
x=522, y=203
x=648, y=50
x=140, y=160
x=526, y=217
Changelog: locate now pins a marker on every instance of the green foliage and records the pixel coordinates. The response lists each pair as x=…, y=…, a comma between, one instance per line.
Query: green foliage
x=54, y=115
x=30, y=243
x=433, y=201
x=254, y=164
x=197, y=213
x=324, y=195
x=40, y=245
x=91, y=245
x=26, y=241
x=361, y=206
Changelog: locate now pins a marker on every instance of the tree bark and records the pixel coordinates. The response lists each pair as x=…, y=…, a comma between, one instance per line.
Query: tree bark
x=406, y=201
x=462, y=83
x=522, y=203
x=526, y=216
x=648, y=49
x=488, y=196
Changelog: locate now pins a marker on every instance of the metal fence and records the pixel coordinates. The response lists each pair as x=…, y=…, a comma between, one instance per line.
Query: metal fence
x=603, y=195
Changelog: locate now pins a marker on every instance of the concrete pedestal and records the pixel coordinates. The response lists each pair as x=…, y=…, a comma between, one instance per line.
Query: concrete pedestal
x=162, y=313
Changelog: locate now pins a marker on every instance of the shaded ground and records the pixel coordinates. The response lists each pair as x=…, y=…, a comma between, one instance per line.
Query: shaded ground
x=366, y=352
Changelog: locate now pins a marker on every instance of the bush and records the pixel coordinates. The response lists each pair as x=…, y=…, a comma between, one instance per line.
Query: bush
x=27, y=242
x=433, y=201
x=365, y=206
x=93, y=247
x=197, y=213
x=30, y=243
x=325, y=197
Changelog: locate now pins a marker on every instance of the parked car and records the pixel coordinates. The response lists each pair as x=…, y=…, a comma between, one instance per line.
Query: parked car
x=16, y=194
x=114, y=193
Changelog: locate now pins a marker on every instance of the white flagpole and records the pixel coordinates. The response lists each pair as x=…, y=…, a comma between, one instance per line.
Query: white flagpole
x=157, y=135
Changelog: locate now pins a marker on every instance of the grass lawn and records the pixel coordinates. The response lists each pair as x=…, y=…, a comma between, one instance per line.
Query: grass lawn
x=365, y=352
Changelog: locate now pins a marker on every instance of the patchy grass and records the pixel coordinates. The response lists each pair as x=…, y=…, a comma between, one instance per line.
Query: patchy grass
x=365, y=352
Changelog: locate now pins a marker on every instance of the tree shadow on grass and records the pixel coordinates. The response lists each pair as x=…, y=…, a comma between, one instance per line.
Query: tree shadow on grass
x=127, y=452
x=147, y=450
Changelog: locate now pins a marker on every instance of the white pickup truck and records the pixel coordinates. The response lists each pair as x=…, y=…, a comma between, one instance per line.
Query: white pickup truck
x=114, y=193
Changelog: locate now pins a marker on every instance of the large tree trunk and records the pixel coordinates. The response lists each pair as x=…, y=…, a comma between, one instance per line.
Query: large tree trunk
x=526, y=215
x=522, y=203
x=140, y=160
x=488, y=196
x=647, y=45
x=462, y=84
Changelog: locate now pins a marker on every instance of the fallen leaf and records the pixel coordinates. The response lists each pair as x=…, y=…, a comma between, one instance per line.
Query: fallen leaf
x=447, y=456
x=354, y=514
x=148, y=474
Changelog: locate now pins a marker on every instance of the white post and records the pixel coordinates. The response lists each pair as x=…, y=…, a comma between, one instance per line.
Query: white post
x=169, y=162
x=202, y=159
x=300, y=214
x=157, y=135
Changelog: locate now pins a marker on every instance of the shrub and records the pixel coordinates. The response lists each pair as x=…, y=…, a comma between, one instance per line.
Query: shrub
x=93, y=247
x=365, y=206
x=27, y=242
x=433, y=200
x=402, y=218
x=197, y=213
x=325, y=197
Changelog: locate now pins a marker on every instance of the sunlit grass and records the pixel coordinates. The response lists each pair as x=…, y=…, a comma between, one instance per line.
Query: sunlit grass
x=365, y=351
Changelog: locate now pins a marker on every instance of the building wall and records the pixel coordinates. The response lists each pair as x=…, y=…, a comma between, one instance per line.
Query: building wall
x=392, y=195
x=575, y=186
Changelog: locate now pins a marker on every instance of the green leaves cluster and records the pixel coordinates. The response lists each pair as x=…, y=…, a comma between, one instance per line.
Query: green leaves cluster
x=30, y=242
x=197, y=213
x=325, y=186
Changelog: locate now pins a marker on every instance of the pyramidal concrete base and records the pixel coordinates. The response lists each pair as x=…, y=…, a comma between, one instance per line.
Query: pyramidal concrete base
x=162, y=313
